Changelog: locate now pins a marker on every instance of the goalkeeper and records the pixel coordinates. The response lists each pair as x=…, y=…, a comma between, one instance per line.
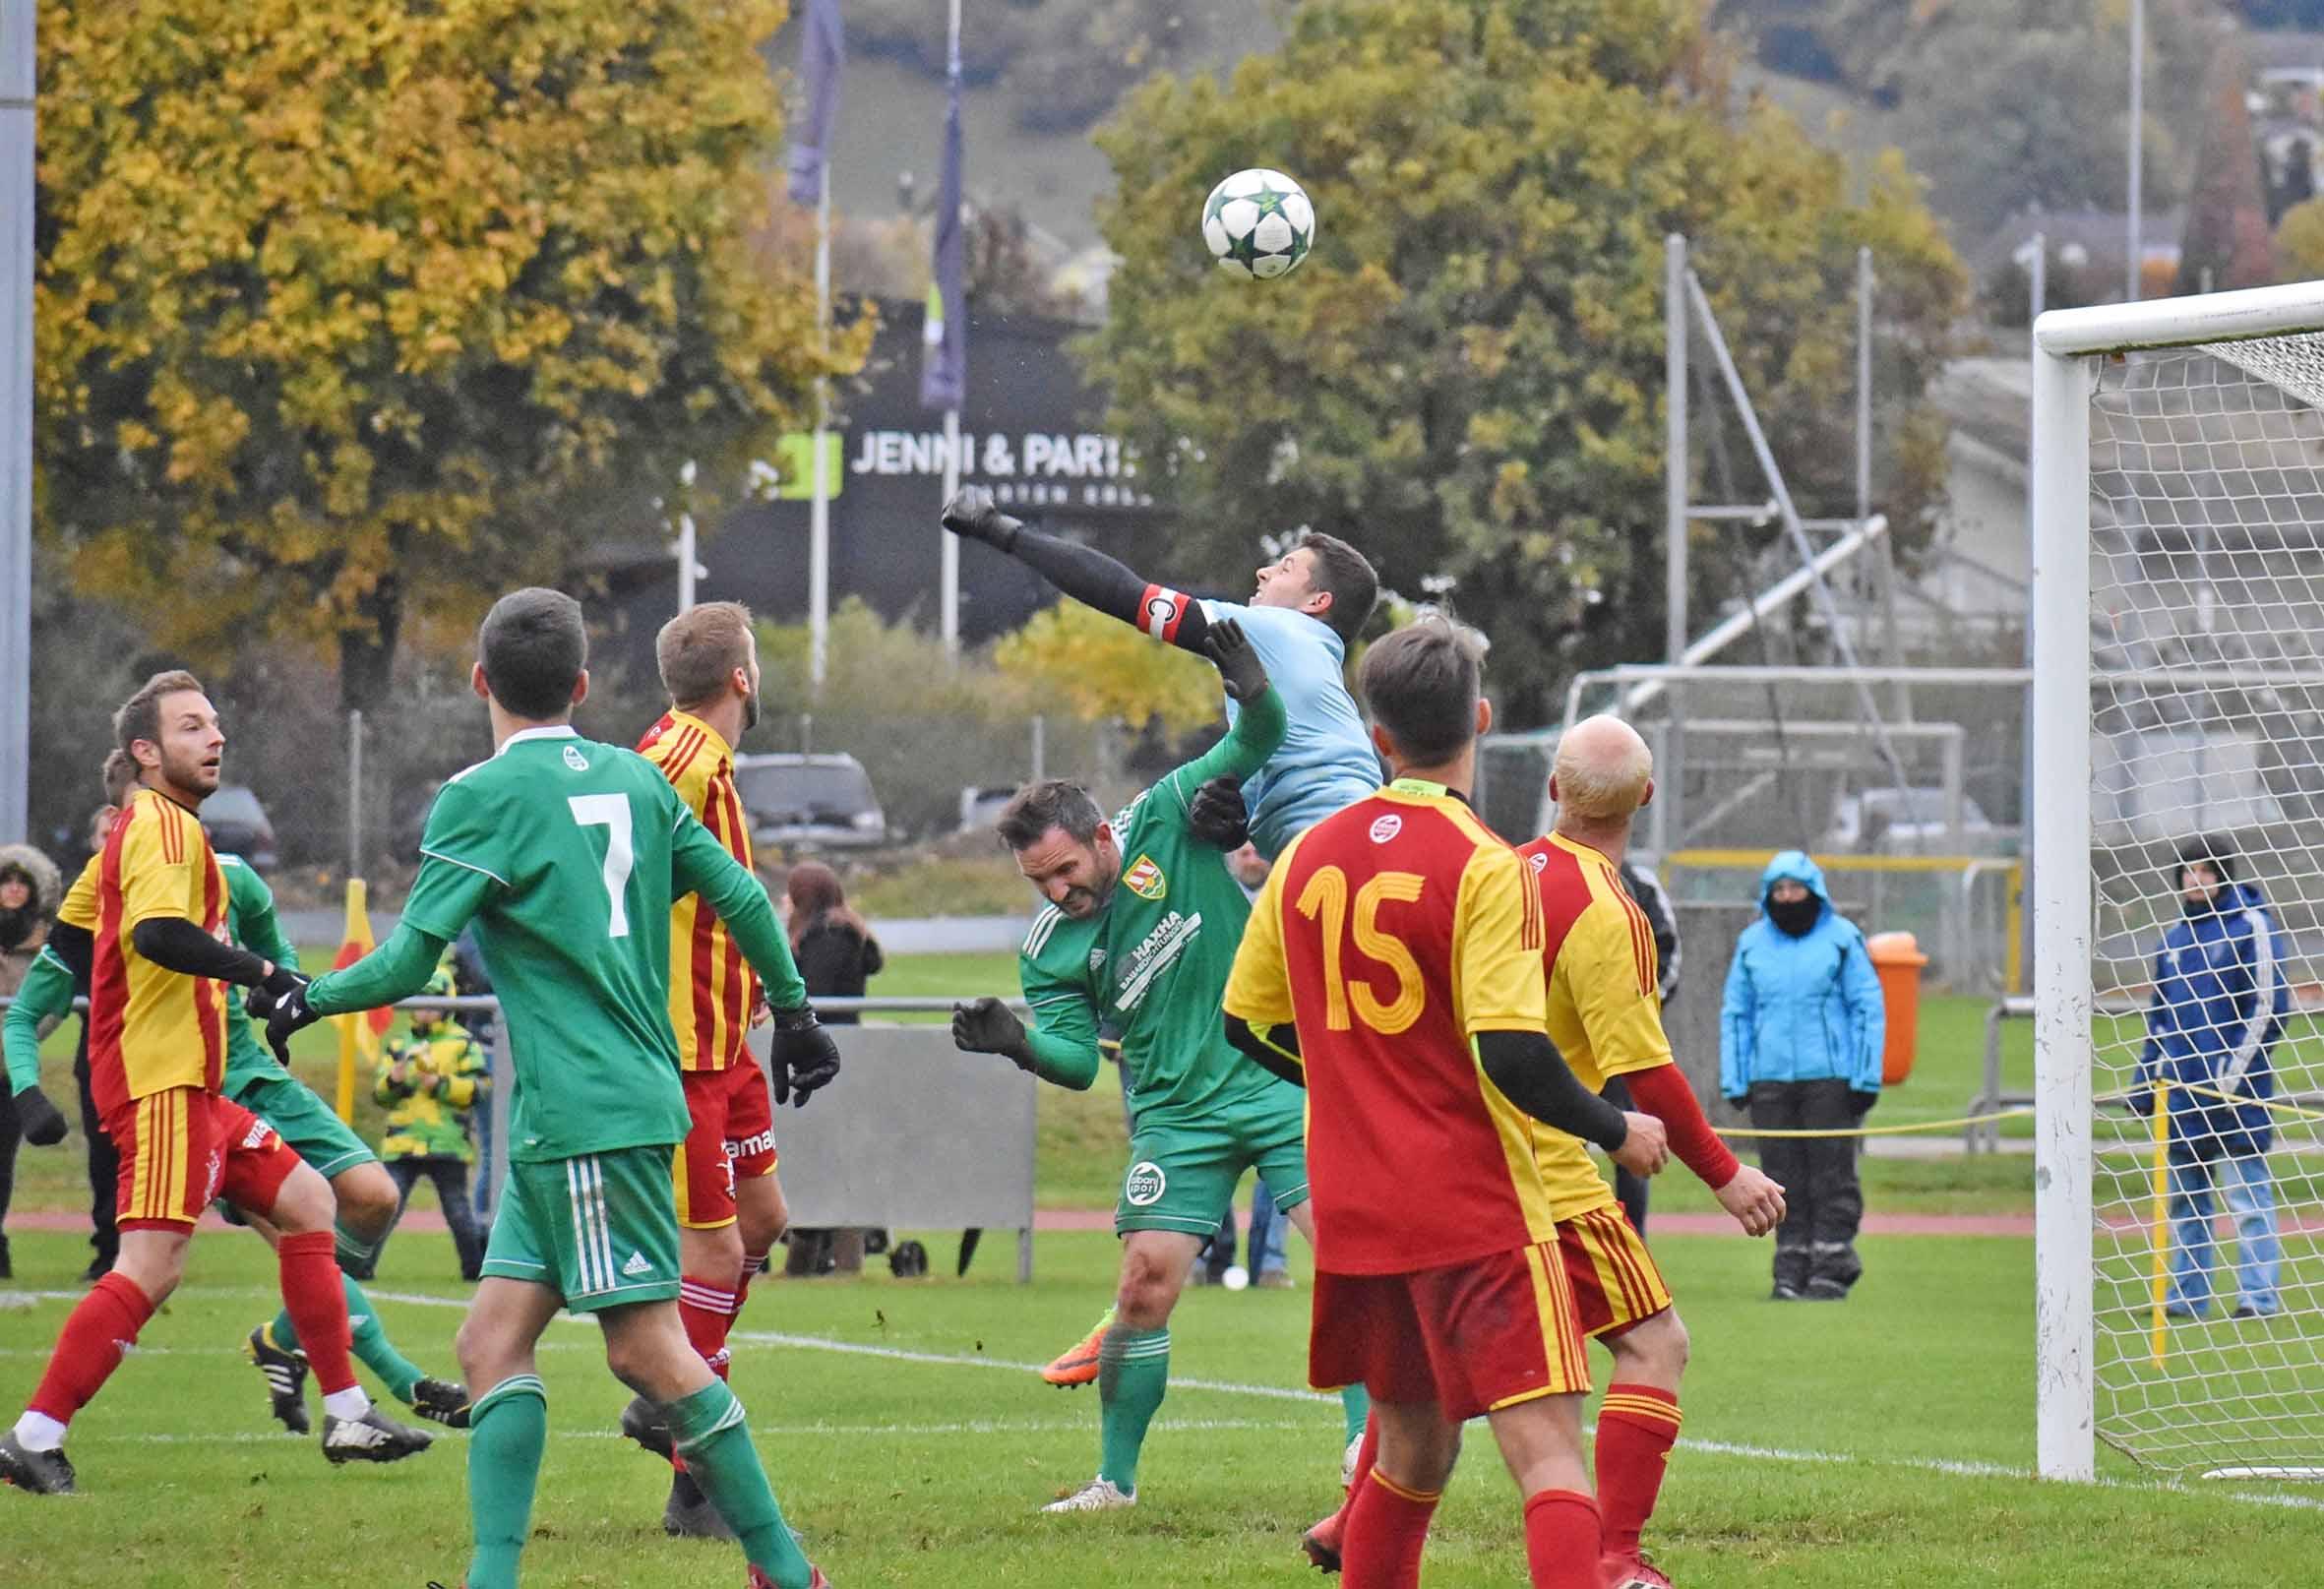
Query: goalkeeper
x=1310, y=604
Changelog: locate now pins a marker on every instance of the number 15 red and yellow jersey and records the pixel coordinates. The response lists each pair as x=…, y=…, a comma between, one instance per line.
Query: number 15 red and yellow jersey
x=151, y=1029
x=1391, y=933
x=712, y=990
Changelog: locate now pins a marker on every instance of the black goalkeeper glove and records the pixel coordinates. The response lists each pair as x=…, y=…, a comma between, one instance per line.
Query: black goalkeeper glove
x=1862, y=1102
x=1216, y=815
x=803, y=1059
x=988, y=1027
x=971, y=515
x=42, y=1125
x=1237, y=660
x=280, y=1002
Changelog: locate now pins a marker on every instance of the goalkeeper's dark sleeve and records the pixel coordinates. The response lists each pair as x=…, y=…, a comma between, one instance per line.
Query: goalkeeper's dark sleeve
x=1532, y=1074
x=1273, y=1049
x=1113, y=588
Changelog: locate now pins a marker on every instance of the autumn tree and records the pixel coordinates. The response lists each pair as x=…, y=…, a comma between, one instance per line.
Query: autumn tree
x=346, y=308
x=2227, y=243
x=1465, y=377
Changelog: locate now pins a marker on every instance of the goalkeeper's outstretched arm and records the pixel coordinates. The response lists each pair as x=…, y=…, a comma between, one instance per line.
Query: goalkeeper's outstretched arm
x=1090, y=576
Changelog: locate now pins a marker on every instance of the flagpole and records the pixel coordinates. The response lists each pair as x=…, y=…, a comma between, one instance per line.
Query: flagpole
x=818, y=522
x=950, y=576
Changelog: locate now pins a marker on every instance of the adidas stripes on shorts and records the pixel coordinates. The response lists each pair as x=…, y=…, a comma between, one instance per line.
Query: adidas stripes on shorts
x=600, y=1230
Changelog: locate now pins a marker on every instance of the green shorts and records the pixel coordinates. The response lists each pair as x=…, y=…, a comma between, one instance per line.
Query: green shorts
x=1182, y=1177
x=304, y=1120
x=600, y=1230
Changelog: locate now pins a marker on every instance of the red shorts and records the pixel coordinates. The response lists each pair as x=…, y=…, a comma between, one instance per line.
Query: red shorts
x=183, y=1146
x=732, y=1139
x=1613, y=1280
x=1472, y=1337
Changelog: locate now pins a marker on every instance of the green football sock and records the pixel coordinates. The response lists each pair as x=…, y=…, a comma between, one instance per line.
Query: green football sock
x=356, y=1257
x=1354, y=1405
x=368, y=1337
x=709, y=1432
x=1133, y=1373
x=507, y=1430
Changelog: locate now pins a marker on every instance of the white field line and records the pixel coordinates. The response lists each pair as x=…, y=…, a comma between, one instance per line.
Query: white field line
x=817, y=1343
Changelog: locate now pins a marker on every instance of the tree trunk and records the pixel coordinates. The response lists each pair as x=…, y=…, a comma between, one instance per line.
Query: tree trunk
x=367, y=649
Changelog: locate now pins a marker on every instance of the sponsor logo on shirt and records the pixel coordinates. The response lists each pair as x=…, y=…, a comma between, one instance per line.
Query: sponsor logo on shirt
x=575, y=760
x=1386, y=827
x=1145, y=880
x=1153, y=955
x=1144, y=1185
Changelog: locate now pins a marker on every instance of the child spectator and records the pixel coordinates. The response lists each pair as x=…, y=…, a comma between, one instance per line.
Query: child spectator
x=429, y=1081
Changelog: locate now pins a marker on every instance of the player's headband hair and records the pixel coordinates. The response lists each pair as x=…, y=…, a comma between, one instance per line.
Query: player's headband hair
x=697, y=651
x=533, y=647
x=140, y=716
x=1421, y=683
x=1051, y=803
x=1348, y=576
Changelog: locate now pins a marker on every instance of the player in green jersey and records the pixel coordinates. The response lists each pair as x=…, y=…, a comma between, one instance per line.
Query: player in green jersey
x=1140, y=932
x=257, y=1081
x=566, y=854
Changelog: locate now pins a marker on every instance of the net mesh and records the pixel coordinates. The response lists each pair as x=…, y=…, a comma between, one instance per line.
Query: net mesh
x=2207, y=636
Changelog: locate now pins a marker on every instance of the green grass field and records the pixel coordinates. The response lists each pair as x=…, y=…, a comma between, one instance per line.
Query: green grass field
x=1881, y=1442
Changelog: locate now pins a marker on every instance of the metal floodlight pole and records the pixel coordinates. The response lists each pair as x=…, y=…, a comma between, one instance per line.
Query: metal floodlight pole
x=1675, y=460
x=818, y=520
x=2135, y=241
x=17, y=87
x=950, y=567
x=1819, y=590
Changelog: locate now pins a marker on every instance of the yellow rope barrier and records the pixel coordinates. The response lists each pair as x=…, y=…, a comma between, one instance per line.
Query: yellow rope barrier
x=1888, y=1131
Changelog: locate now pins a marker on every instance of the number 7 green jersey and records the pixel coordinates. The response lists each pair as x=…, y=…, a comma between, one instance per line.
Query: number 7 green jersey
x=567, y=854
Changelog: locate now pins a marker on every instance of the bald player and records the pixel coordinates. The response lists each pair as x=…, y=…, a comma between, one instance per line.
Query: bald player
x=1604, y=1015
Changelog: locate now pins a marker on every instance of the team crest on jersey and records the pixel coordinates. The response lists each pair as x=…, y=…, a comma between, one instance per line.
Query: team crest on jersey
x=1538, y=860
x=1144, y=1185
x=1386, y=827
x=1145, y=880
x=1097, y=960
x=575, y=760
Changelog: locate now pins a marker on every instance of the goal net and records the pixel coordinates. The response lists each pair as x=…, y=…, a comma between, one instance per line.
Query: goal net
x=2178, y=608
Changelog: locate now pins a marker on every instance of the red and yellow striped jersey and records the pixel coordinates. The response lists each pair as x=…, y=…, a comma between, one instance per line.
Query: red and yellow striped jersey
x=1392, y=932
x=1605, y=1010
x=712, y=989
x=151, y=1029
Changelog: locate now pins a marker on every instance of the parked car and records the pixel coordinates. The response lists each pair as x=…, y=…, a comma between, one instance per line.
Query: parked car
x=238, y=824
x=808, y=802
x=1906, y=822
x=981, y=804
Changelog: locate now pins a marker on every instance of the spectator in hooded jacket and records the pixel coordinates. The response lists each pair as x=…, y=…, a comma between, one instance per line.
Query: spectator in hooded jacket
x=2219, y=1000
x=1800, y=1037
x=30, y=892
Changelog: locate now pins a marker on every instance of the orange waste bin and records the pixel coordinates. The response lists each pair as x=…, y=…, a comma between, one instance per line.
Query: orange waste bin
x=1897, y=960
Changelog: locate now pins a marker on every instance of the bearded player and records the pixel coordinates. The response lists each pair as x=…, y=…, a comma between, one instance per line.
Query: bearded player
x=1393, y=964
x=156, y=1050
x=1604, y=1015
x=730, y=1206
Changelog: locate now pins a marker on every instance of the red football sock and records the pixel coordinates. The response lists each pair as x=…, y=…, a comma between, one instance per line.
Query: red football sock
x=706, y=1311
x=90, y=1346
x=1562, y=1540
x=754, y=1264
x=1636, y=1428
x=315, y=1298
x=1387, y=1525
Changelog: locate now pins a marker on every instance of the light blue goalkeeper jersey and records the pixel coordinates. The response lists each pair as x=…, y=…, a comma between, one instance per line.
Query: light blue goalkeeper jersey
x=1326, y=762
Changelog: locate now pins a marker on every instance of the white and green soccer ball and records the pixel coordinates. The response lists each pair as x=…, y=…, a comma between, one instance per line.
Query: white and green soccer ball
x=1259, y=224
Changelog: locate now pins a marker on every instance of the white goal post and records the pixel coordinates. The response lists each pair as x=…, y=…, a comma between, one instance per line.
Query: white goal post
x=2177, y=612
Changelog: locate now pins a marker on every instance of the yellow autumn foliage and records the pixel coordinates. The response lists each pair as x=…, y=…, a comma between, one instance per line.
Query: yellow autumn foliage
x=1101, y=669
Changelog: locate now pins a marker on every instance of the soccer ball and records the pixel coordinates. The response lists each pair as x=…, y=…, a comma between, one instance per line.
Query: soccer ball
x=1259, y=223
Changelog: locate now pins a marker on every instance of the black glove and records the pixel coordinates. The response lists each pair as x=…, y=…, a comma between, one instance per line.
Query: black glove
x=42, y=1125
x=971, y=515
x=1238, y=666
x=1216, y=816
x=803, y=1059
x=282, y=1003
x=988, y=1027
x=1862, y=1102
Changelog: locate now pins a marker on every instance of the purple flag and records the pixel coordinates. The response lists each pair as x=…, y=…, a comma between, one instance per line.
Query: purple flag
x=823, y=52
x=944, y=355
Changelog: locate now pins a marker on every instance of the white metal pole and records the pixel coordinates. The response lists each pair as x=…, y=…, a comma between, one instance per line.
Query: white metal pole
x=2039, y=295
x=2064, y=1371
x=685, y=562
x=356, y=793
x=2136, y=240
x=951, y=571
x=1864, y=384
x=17, y=81
x=818, y=514
x=1675, y=460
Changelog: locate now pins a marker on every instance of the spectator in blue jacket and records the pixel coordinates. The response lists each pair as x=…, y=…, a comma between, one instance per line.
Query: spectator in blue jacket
x=1800, y=1036
x=2221, y=996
